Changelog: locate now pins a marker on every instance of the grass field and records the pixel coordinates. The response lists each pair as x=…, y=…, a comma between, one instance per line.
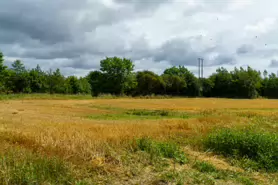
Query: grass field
x=75, y=140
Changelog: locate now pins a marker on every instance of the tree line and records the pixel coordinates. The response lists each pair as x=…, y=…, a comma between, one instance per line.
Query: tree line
x=117, y=77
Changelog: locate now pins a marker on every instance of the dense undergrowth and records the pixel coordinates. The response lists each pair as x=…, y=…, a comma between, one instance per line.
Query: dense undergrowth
x=261, y=148
x=24, y=168
x=162, y=149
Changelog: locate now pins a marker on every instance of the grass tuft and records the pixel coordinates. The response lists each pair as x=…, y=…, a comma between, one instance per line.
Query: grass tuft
x=29, y=169
x=204, y=167
x=162, y=149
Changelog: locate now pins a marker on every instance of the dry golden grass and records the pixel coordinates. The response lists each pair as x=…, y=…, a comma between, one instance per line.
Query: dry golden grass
x=62, y=123
x=61, y=128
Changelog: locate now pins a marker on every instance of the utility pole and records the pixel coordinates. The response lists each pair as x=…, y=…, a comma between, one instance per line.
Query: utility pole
x=201, y=67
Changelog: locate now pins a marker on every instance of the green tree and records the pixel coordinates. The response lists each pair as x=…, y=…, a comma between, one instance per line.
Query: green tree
x=2, y=73
x=73, y=86
x=84, y=85
x=271, y=86
x=150, y=83
x=222, y=80
x=96, y=81
x=117, y=73
x=56, y=82
x=38, y=80
x=174, y=84
x=19, y=77
x=193, y=86
x=208, y=86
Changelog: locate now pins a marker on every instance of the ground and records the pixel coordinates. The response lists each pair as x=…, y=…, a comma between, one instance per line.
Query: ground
x=105, y=141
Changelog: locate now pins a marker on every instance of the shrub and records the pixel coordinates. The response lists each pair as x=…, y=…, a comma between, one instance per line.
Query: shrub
x=261, y=148
x=162, y=149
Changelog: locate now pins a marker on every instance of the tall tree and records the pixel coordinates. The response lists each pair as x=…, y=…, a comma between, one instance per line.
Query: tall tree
x=20, y=78
x=2, y=73
x=149, y=83
x=117, y=72
x=193, y=85
x=96, y=81
x=175, y=85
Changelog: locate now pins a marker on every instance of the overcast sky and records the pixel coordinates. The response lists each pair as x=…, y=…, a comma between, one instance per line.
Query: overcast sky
x=156, y=34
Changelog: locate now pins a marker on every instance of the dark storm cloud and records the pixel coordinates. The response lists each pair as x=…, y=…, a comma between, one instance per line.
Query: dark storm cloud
x=56, y=29
x=177, y=52
x=223, y=60
x=143, y=4
x=244, y=49
x=180, y=52
x=78, y=34
x=273, y=63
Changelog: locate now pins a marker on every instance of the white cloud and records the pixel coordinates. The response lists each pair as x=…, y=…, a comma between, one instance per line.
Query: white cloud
x=262, y=26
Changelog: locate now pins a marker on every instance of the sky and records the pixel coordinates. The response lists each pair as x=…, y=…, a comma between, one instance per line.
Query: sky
x=155, y=34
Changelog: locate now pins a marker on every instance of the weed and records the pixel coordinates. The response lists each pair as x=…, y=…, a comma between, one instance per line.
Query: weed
x=201, y=178
x=162, y=149
x=24, y=168
x=261, y=148
x=204, y=167
x=173, y=176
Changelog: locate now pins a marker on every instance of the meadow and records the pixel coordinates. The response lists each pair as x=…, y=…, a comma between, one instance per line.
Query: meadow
x=79, y=140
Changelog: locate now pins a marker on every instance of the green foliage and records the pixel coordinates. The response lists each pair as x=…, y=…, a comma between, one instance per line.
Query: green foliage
x=29, y=169
x=160, y=113
x=259, y=147
x=116, y=77
x=149, y=112
x=175, y=85
x=162, y=149
x=172, y=176
x=117, y=73
x=149, y=83
x=192, y=83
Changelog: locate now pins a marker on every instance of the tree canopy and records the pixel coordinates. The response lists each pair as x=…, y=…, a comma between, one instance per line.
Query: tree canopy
x=116, y=76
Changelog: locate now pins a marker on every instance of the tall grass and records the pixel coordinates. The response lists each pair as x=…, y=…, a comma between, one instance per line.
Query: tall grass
x=262, y=148
x=23, y=168
x=162, y=149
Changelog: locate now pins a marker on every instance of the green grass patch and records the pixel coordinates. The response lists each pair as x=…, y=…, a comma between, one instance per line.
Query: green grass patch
x=204, y=167
x=259, y=147
x=159, y=113
x=119, y=113
x=28, y=169
x=161, y=149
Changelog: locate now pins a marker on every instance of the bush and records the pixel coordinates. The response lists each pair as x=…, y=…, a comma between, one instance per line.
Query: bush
x=162, y=149
x=261, y=148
